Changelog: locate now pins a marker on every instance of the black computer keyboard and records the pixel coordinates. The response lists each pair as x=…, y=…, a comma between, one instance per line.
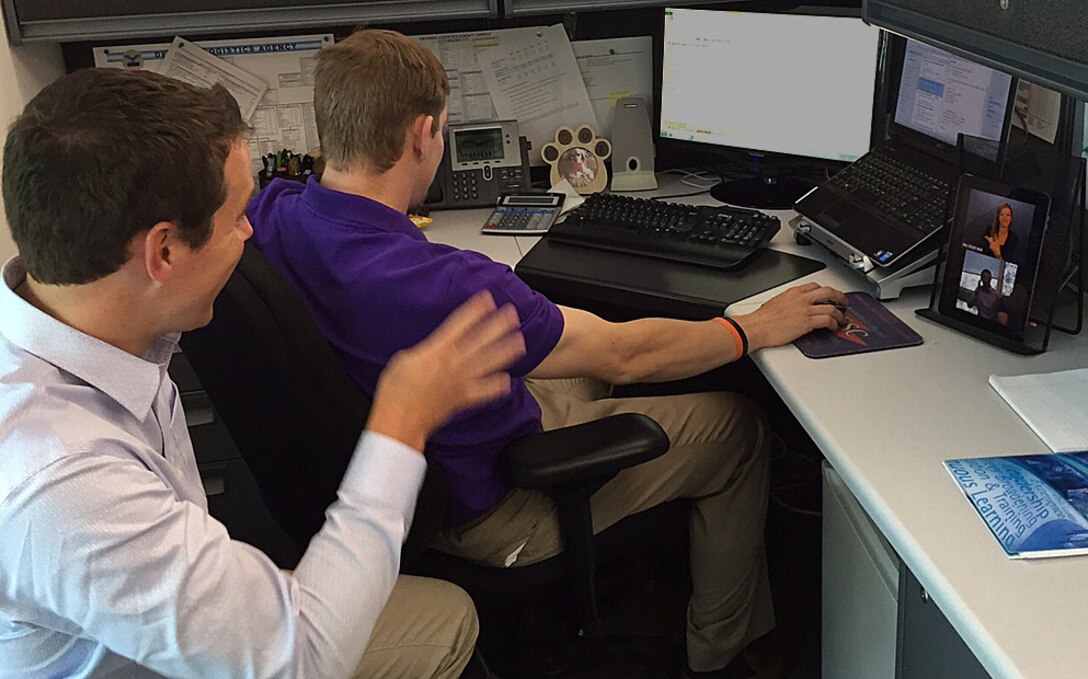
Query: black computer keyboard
x=898, y=192
x=720, y=237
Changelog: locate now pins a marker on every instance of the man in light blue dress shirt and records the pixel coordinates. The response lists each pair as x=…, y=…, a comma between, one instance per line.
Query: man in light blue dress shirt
x=126, y=195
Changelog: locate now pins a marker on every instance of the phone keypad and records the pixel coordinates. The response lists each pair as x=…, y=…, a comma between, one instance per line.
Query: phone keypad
x=464, y=186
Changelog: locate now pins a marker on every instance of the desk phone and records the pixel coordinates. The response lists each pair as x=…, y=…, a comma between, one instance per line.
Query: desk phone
x=524, y=214
x=482, y=162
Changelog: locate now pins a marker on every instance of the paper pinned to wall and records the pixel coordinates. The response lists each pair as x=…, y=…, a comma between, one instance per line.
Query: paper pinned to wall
x=284, y=117
x=1037, y=110
x=613, y=69
x=469, y=100
x=188, y=62
x=535, y=80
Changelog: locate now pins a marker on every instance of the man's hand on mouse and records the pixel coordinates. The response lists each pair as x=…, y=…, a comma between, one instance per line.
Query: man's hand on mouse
x=793, y=313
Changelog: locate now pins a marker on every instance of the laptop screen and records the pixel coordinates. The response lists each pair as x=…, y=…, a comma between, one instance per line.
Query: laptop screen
x=941, y=95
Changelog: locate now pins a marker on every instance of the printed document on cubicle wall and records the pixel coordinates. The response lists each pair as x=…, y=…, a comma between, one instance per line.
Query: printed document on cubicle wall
x=283, y=116
x=190, y=63
x=613, y=69
x=470, y=100
x=609, y=69
x=535, y=80
x=1037, y=110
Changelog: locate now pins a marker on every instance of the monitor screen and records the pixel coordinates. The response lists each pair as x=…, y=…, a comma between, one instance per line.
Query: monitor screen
x=783, y=83
x=941, y=95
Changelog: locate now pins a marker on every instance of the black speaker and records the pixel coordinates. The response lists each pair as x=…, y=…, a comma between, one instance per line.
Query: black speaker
x=1043, y=41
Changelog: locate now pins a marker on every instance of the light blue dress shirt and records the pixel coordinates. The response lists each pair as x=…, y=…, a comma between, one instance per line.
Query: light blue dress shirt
x=110, y=565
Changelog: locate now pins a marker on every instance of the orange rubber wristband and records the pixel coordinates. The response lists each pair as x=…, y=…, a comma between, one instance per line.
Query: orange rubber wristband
x=736, y=335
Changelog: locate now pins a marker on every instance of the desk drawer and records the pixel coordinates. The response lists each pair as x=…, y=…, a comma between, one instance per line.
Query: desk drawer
x=860, y=589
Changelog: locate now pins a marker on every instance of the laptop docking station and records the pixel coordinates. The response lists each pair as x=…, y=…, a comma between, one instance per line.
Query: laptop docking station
x=888, y=281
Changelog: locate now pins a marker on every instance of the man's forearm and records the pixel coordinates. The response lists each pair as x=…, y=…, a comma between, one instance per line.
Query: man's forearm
x=662, y=350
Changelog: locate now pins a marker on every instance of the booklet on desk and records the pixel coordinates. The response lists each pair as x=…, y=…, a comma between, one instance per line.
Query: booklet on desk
x=1035, y=505
x=1052, y=404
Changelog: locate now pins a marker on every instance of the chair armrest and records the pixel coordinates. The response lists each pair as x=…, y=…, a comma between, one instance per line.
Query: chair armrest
x=585, y=452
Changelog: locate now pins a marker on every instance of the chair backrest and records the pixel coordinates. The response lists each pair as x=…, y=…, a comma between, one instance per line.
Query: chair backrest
x=291, y=408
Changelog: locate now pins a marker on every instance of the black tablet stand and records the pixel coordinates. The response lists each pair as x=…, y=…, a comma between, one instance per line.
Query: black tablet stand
x=1063, y=178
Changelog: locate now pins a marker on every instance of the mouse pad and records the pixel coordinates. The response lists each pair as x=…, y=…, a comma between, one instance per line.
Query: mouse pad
x=869, y=327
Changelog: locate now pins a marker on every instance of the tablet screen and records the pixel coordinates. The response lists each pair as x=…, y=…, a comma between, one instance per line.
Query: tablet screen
x=994, y=255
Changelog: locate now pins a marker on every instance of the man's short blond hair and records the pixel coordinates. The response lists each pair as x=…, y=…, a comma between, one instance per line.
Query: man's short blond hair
x=368, y=88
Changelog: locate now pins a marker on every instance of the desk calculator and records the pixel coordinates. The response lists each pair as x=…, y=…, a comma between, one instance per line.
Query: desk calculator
x=524, y=214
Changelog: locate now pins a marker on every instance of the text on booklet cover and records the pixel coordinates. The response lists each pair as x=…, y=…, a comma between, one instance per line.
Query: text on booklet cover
x=1035, y=505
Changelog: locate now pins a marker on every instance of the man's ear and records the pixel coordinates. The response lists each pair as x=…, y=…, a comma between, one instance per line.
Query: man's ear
x=159, y=247
x=421, y=134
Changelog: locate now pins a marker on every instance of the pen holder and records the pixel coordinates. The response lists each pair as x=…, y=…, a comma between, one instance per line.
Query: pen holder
x=289, y=165
x=264, y=177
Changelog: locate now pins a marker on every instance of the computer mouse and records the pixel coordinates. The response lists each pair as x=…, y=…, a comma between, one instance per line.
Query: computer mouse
x=835, y=303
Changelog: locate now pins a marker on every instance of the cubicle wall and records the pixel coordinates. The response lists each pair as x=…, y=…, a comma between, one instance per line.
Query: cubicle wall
x=67, y=20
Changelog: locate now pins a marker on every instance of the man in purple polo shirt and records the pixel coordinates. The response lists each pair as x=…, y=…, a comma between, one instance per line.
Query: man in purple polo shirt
x=375, y=285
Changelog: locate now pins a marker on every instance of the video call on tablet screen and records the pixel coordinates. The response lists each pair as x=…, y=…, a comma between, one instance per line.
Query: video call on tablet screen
x=994, y=255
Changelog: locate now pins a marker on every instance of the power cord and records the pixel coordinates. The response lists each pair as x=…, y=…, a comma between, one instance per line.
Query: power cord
x=780, y=453
x=709, y=181
x=681, y=195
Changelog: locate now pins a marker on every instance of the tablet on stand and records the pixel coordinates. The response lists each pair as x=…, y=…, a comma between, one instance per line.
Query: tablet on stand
x=1004, y=262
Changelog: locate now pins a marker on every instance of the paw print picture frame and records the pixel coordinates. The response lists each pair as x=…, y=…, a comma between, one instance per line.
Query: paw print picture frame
x=578, y=156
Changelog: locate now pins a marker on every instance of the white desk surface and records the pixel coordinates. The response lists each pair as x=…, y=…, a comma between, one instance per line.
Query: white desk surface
x=886, y=421
x=461, y=228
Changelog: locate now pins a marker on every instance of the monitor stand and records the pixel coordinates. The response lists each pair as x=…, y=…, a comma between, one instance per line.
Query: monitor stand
x=766, y=192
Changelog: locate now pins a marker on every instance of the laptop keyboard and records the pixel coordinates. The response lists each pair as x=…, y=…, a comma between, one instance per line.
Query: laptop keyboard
x=899, y=192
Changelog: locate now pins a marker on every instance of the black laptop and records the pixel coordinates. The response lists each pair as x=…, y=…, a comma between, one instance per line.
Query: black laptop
x=888, y=207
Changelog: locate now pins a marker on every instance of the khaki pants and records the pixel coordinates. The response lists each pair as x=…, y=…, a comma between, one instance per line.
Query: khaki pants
x=718, y=457
x=427, y=629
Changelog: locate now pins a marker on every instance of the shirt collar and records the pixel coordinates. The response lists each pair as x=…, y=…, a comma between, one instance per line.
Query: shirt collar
x=132, y=381
x=354, y=209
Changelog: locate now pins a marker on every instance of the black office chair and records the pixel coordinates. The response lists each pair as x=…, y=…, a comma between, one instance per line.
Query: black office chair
x=296, y=415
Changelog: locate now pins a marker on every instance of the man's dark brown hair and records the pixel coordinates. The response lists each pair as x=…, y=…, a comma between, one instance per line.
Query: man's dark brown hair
x=368, y=88
x=101, y=155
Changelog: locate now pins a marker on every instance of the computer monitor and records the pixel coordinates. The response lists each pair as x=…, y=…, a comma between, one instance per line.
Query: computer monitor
x=793, y=84
x=941, y=95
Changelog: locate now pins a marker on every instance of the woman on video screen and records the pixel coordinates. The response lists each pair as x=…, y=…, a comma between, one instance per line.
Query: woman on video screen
x=1000, y=240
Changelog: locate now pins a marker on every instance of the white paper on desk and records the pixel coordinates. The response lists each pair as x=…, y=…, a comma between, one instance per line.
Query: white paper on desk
x=1054, y=405
x=613, y=69
x=469, y=100
x=535, y=80
x=284, y=118
x=573, y=198
x=1037, y=109
x=188, y=62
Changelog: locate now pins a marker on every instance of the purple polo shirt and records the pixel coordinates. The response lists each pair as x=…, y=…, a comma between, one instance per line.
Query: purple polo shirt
x=376, y=285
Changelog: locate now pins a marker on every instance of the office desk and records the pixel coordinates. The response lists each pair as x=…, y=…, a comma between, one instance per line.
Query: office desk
x=886, y=421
